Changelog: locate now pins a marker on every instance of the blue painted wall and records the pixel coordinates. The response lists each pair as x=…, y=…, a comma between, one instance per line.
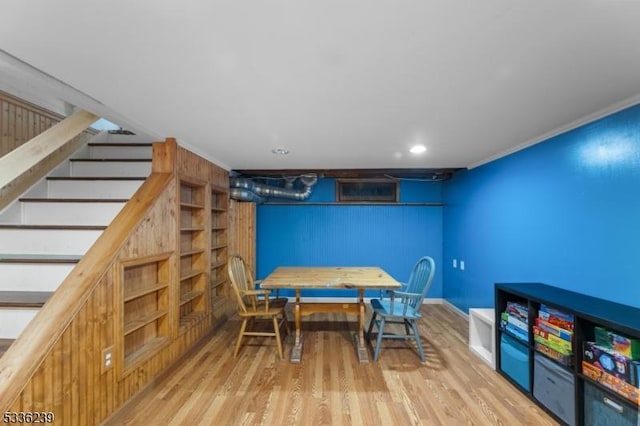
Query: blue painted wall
x=393, y=237
x=564, y=212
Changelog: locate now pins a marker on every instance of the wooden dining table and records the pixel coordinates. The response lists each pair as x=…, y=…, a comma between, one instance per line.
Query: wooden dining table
x=330, y=278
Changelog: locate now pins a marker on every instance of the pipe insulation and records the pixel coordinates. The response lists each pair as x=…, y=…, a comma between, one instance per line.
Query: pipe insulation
x=246, y=189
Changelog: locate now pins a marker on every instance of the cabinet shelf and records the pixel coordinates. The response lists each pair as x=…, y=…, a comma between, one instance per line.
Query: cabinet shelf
x=143, y=321
x=191, y=275
x=216, y=265
x=191, y=252
x=191, y=205
x=191, y=229
x=142, y=292
x=151, y=347
x=188, y=297
x=218, y=283
x=218, y=246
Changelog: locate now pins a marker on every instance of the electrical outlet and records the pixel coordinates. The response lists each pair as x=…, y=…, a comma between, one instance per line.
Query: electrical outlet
x=107, y=359
x=455, y=263
x=462, y=265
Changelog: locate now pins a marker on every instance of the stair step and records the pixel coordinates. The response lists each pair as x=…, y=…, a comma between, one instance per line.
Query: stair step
x=110, y=167
x=72, y=200
x=119, y=150
x=17, y=309
x=4, y=345
x=54, y=227
x=96, y=178
x=34, y=272
x=24, y=299
x=123, y=144
x=110, y=160
x=100, y=187
x=48, y=240
x=69, y=211
x=38, y=258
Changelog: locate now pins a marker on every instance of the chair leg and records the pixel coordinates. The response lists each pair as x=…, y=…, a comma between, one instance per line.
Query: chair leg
x=373, y=318
x=240, y=336
x=414, y=325
x=376, y=352
x=286, y=323
x=276, y=329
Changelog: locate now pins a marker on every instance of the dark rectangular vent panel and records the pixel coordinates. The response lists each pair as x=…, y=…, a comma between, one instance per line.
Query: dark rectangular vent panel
x=366, y=190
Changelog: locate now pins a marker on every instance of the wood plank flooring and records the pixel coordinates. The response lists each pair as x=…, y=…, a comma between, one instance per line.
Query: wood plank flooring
x=329, y=386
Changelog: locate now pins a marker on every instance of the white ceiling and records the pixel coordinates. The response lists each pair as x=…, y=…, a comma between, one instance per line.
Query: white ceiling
x=339, y=83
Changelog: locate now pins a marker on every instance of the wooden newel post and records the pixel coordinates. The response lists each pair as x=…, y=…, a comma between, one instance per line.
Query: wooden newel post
x=164, y=156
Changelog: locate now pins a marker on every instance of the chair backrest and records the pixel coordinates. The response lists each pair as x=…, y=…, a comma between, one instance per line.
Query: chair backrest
x=420, y=281
x=239, y=280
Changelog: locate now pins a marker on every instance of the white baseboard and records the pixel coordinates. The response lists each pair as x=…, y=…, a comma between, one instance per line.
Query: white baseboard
x=456, y=310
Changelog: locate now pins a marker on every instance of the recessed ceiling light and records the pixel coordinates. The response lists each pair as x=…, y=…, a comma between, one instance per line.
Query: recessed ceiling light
x=418, y=149
x=280, y=151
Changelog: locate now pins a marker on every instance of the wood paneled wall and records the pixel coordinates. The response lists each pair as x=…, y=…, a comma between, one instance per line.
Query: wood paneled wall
x=21, y=121
x=242, y=232
x=65, y=374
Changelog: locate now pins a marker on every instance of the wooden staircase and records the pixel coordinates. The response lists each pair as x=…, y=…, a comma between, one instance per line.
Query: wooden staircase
x=45, y=233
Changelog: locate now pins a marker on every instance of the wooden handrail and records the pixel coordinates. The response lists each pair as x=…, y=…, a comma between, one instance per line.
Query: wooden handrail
x=30, y=162
x=26, y=354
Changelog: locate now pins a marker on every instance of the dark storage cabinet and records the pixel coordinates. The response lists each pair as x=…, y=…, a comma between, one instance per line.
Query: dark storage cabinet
x=566, y=385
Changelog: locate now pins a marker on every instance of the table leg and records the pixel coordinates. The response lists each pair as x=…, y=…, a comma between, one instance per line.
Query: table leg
x=296, y=351
x=361, y=347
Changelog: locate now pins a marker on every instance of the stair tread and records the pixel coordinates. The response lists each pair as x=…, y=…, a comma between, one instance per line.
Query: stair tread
x=38, y=258
x=4, y=345
x=113, y=160
x=145, y=144
x=59, y=227
x=24, y=299
x=92, y=178
x=73, y=200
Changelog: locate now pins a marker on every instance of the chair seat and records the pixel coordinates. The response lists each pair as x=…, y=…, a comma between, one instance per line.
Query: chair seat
x=383, y=308
x=275, y=307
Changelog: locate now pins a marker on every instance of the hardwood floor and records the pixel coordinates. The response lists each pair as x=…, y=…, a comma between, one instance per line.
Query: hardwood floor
x=329, y=387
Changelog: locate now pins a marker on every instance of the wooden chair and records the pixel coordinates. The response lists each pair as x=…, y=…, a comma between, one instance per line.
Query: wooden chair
x=255, y=304
x=403, y=307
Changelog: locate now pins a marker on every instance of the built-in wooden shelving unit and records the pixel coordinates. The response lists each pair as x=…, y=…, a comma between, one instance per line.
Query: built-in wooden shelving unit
x=144, y=284
x=219, y=248
x=193, y=303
